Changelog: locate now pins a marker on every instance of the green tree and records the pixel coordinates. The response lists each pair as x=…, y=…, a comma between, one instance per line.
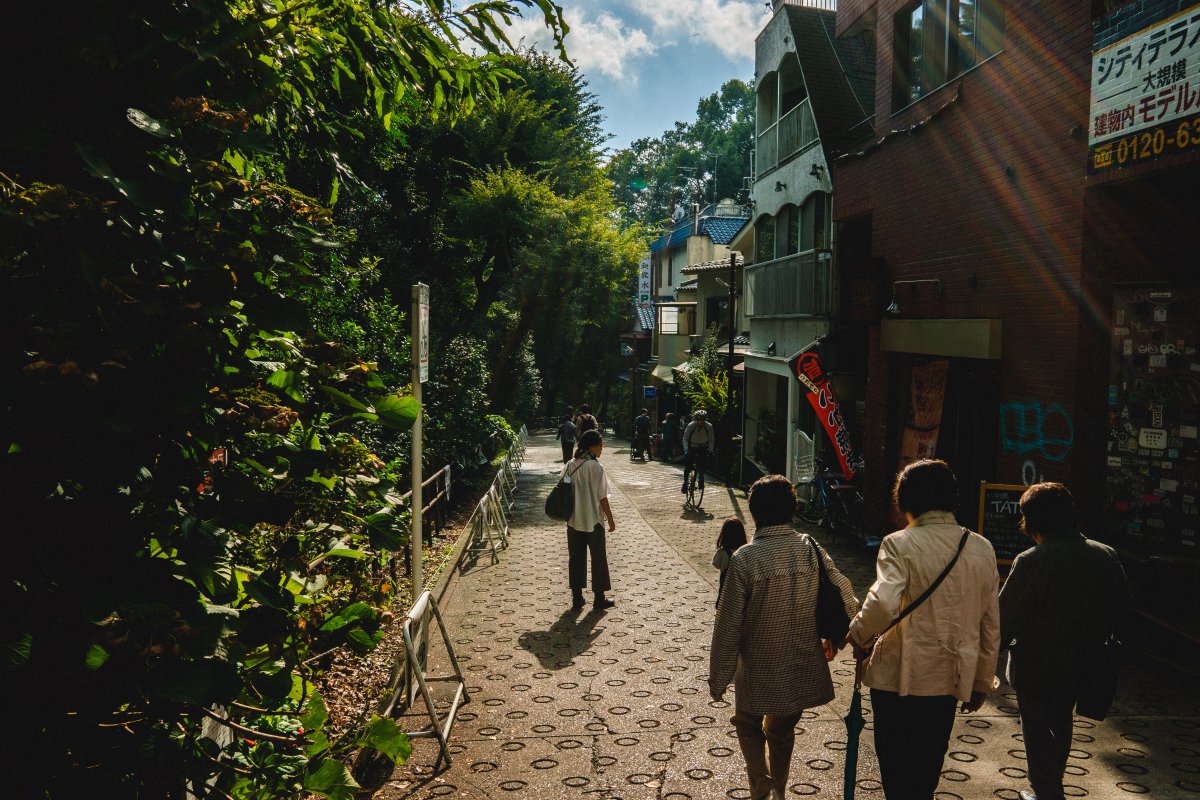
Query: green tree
x=698, y=161
x=193, y=514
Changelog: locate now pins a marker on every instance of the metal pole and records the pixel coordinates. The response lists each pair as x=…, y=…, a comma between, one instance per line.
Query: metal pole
x=732, y=324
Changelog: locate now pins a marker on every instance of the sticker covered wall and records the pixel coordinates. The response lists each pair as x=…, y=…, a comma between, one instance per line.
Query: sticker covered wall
x=1153, y=460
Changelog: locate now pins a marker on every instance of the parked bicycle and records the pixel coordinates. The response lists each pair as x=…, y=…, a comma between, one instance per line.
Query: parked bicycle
x=836, y=501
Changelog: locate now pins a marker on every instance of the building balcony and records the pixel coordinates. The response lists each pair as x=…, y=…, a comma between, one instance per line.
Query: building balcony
x=795, y=131
x=799, y=285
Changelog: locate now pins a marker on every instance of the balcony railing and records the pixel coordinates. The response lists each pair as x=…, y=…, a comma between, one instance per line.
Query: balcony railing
x=794, y=131
x=796, y=285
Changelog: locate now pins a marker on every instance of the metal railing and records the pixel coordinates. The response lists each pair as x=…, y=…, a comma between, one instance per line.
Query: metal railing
x=795, y=130
x=795, y=285
x=487, y=529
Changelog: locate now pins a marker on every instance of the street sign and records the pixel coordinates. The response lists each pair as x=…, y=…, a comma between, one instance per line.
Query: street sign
x=421, y=334
x=649, y=392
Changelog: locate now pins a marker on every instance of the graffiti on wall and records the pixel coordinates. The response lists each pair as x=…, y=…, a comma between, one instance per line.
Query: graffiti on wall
x=1027, y=427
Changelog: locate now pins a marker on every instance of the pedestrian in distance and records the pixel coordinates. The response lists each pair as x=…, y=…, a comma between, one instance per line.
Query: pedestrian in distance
x=1062, y=600
x=641, y=435
x=670, y=436
x=698, y=440
x=566, y=435
x=732, y=536
x=765, y=638
x=585, y=528
x=943, y=651
x=585, y=422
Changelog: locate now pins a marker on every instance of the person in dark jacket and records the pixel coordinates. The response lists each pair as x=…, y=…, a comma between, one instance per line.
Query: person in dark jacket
x=641, y=435
x=1062, y=599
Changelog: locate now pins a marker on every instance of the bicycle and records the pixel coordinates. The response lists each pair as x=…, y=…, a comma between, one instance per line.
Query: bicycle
x=837, y=502
x=695, y=483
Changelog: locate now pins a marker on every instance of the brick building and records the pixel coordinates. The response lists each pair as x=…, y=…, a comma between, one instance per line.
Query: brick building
x=1016, y=282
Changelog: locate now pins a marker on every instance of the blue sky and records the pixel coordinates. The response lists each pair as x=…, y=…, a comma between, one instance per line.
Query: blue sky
x=650, y=61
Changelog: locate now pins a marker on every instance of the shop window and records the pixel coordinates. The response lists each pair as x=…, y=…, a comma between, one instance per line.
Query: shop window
x=938, y=40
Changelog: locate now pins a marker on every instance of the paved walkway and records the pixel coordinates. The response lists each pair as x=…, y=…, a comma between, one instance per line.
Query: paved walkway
x=611, y=705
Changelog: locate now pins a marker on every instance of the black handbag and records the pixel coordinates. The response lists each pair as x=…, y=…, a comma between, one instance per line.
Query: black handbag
x=560, y=503
x=832, y=621
x=1098, y=682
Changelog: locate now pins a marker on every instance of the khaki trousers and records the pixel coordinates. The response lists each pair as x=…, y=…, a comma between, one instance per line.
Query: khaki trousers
x=766, y=741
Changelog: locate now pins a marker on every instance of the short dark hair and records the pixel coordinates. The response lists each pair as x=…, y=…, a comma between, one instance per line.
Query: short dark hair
x=926, y=485
x=772, y=501
x=585, y=409
x=644, y=411
x=1048, y=509
x=590, y=439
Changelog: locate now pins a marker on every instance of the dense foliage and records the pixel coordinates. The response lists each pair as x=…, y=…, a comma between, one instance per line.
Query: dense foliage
x=202, y=391
x=701, y=161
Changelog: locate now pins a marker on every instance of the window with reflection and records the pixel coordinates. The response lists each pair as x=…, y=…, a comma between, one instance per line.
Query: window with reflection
x=764, y=239
x=938, y=40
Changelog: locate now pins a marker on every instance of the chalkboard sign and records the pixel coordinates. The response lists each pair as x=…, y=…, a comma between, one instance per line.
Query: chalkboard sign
x=1000, y=519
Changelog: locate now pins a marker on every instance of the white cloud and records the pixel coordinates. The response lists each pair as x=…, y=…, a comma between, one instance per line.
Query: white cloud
x=602, y=44
x=728, y=25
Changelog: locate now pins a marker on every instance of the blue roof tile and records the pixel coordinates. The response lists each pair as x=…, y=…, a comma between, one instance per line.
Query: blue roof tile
x=722, y=229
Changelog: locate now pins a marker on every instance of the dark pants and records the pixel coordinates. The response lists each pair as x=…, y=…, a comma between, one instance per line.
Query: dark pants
x=568, y=451
x=1046, y=724
x=911, y=737
x=578, y=545
x=767, y=742
x=697, y=459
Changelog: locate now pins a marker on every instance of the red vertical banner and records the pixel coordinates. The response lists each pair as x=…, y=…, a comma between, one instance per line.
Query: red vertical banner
x=810, y=371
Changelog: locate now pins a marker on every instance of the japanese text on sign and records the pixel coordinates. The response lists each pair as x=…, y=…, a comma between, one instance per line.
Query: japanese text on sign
x=1145, y=99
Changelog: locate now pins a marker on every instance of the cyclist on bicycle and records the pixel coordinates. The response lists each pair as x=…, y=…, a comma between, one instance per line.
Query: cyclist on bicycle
x=698, y=439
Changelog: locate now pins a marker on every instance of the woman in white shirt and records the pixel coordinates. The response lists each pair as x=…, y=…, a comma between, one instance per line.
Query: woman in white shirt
x=944, y=652
x=585, y=529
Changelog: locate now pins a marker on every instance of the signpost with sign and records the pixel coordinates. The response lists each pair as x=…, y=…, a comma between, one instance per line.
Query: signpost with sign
x=1000, y=519
x=420, y=375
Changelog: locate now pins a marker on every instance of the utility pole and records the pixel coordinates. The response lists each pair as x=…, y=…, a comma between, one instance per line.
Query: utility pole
x=729, y=422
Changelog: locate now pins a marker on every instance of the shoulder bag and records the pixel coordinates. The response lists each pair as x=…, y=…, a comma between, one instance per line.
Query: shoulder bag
x=1098, y=683
x=911, y=607
x=832, y=620
x=560, y=503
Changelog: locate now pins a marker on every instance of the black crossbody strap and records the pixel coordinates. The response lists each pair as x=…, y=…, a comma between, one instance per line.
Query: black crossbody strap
x=936, y=583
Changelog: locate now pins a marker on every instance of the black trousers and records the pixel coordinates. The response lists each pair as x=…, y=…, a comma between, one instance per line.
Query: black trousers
x=911, y=737
x=568, y=451
x=578, y=545
x=1047, y=726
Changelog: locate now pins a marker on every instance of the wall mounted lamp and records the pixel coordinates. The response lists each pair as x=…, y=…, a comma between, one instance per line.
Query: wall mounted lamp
x=895, y=308
x=780, y=186
x=771, y=349
x=816, y=170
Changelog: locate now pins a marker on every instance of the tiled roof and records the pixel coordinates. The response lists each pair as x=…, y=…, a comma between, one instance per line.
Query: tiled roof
x=722, y=229
x=688, y=286
x=716, y=265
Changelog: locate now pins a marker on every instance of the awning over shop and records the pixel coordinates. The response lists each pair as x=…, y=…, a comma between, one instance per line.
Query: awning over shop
x=684, y=367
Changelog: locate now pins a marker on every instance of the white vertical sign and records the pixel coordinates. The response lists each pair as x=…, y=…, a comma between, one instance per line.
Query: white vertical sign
x=420, y=374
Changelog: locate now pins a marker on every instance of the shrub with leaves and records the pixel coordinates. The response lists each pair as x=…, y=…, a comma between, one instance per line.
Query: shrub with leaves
x=193, y=513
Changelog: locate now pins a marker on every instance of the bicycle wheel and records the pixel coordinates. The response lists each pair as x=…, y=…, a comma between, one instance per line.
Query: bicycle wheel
x=691, y=490
x=699, y=495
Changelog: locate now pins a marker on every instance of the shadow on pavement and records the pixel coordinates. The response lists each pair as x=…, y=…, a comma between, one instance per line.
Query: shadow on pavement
x=566, y=639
